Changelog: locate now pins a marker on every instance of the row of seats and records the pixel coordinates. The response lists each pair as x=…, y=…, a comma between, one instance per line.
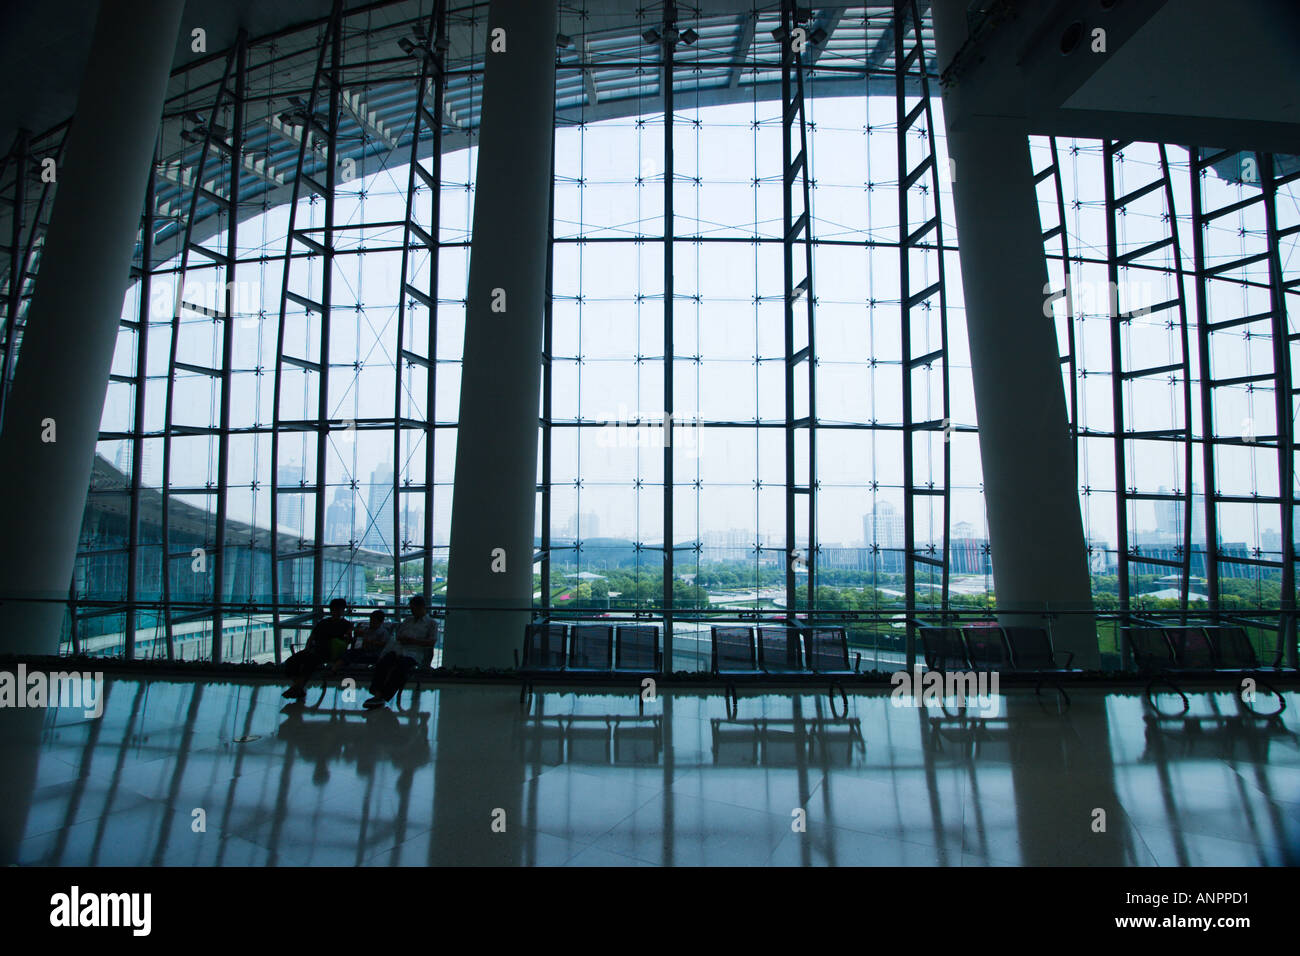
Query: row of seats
x=781, y=649
x=1191, y=648
x=822, y=652
x=1019, y=650
x=992, y=647
x=554, y=648
x=589, y=647
x=1165, y=653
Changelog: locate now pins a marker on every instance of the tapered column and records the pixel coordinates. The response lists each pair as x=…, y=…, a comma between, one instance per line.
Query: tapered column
x=1030, y=490
x=490, y=575
x=54, y=409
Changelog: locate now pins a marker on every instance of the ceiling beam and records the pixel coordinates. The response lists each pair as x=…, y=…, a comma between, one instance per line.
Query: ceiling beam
x=746, y=39
x=589, y=75
x=830, y=19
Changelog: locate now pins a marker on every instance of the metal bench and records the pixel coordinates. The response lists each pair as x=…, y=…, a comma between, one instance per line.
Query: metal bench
x=1021, y=650
x=1206, y=652
x=554, y=649
x=783, y=650
x=359, y=670
x=734, y=654
x=826, y=654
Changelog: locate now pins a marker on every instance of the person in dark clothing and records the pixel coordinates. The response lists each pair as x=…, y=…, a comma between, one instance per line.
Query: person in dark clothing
x=327, y=642
x=369, y=642
x=402, y=655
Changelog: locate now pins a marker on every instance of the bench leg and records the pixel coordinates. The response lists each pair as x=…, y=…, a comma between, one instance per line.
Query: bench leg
x=1056, y=686
x=732, y=702
x=1261, y=685
x=844, y=698
x=1147, y=696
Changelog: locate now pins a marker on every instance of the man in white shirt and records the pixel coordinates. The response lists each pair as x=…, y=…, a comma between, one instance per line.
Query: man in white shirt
x=405, y=649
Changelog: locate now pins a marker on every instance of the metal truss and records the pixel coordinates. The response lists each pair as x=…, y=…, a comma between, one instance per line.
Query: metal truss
x=431, y=87
x=1215, y=319
x=229, y=96
x=21, y=252
x=1130, y=369
x=924, y=340
x=1061, y=283
x=317, y=245
x=800, y=350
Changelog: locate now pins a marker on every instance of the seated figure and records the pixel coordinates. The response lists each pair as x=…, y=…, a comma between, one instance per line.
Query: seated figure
x=326, y=644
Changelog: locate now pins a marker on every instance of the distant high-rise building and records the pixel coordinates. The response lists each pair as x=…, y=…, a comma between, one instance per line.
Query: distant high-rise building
x=412, y=524
x=585, y=525
x=734, y=544
x=379, y=507
x=289, y=507
x=1169, y=516
x=338, y=519
x=883, y=527
x=122, y=461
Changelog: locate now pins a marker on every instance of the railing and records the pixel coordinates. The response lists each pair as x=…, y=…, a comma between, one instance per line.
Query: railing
x=892, y=637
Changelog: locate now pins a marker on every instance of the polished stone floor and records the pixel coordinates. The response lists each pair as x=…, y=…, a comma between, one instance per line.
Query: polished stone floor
x=178, y=773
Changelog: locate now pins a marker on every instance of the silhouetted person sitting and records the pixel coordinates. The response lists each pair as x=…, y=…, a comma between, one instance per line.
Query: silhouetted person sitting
x=403, y=654
x=370, y=642
x=326, y=643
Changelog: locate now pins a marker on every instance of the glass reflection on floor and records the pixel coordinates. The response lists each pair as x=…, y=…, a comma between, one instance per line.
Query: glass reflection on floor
x=192, y=774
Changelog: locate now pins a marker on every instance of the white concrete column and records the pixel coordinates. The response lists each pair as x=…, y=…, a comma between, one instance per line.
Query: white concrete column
x=72, y=322
x=490, y=573
x=1030, y=489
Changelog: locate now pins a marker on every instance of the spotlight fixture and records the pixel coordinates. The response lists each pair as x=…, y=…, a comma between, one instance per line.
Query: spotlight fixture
x=689, y=36
x=651, y=36
x=1071, y=37
x=818, y=36
x=407, y=46
x=779, y=34
x=562, y=41
x=442, y=44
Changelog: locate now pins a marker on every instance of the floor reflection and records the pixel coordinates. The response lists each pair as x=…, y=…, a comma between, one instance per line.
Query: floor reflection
x=178, y=773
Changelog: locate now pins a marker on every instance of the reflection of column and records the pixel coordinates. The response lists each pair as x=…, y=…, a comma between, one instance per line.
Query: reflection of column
x=1061, y=773
x=20, y=728
x=479, y=770
x=496, y=453
x=72, y=322
x=1035, y=528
